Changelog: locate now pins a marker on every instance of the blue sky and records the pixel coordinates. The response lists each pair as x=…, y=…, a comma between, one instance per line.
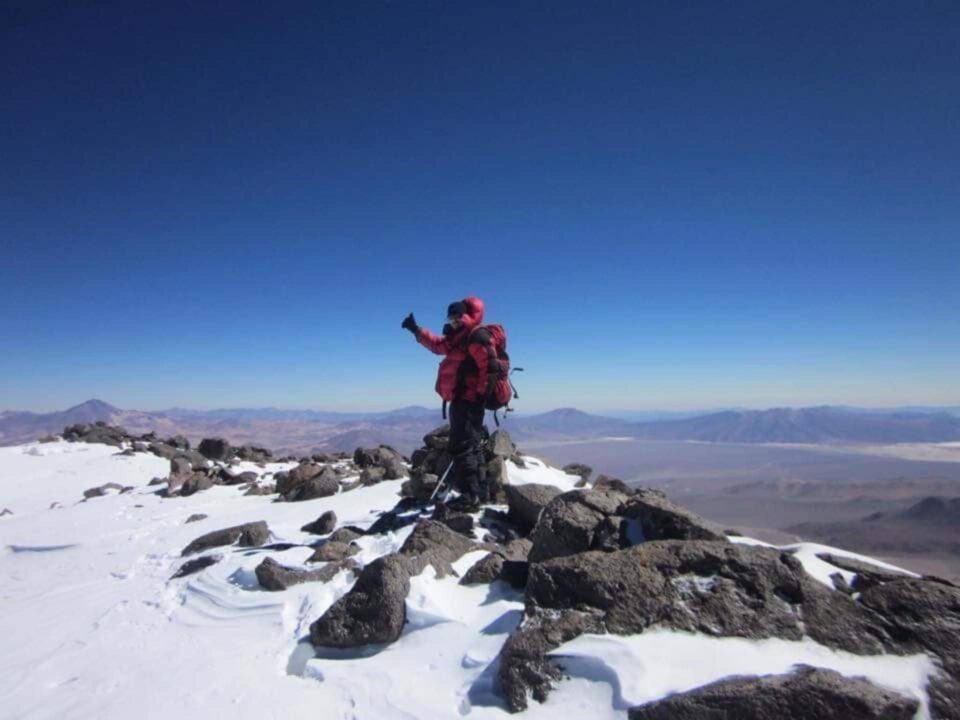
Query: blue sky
x=669, y=205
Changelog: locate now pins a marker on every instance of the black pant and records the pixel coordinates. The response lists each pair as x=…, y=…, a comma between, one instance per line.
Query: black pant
x=466, y=434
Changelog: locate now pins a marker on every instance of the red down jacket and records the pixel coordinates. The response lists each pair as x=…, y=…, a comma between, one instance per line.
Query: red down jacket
x=461, y=357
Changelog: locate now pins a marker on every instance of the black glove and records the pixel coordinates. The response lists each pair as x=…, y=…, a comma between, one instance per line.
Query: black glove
x=410, y=323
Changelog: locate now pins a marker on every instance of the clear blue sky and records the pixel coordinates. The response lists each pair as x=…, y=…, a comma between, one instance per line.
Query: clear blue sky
x=668, y=204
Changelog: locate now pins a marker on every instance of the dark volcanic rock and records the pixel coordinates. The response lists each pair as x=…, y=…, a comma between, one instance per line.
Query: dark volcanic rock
x=611, y=516
x=485, y=570
x=384, y=458
x=323, y=525
x=661, y=519
x=372, y=475
x=374, y=610
x=196, y=565
x=926, y=617
x=715, y=588
x=307, y=482
x=522, y=670
x=247, y=535
x=196, y=482
x=6, y=511
x=333, y=552
x=437, y=439
x=196, y=517
x=527, y=501
x=255, y=454
x=433, y=543
x=579, y=469
x=228, y=478
x=180, y=465
x=345, y=535
x=273, y=576
x=323, y=485
x=501, y=444
x=102, y=490
x=216, y=449
x=867, y=575
x=807, y=694
x=163, y=450
x=177, y=441
x=497, y=479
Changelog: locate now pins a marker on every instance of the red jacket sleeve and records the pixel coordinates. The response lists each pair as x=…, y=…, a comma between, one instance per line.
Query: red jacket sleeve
x=434, y=343
x=480, y=352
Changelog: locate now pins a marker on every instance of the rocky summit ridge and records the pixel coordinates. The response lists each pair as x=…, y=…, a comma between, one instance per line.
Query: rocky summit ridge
x=586, y=559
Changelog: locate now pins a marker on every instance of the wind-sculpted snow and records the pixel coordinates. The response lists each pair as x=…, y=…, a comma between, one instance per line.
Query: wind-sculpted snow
x=94, y=625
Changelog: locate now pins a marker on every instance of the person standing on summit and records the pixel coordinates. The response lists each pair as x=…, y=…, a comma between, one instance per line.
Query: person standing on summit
x=468, y=374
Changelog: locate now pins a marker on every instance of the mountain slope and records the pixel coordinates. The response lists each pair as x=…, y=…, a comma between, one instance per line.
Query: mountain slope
x=806, y=425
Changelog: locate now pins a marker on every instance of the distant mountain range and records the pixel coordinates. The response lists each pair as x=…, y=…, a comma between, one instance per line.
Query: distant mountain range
x=315, y=430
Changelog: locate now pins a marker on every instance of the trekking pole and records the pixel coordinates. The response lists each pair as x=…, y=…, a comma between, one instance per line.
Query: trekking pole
x=446, y=472
x=440, y=483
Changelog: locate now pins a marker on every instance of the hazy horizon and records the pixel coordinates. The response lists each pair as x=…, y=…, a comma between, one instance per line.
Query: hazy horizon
x=607, y=412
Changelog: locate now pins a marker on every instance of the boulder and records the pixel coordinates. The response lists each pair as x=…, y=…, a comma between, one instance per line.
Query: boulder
x=323, y=525
x=177, y=441
x=250, y=534
x=374, y=610
x=501, y=444
x=507, y=563
x=710, y=587
x=420, y=485
x=345, y=535
x=306, y=482
x=333, y=552
x=196, y=460
x=497, y=479
x=273, y=576
x=582, y=471
x=660, y=519
x=925, y=616
x=216, y=449
x=163, y=450
x=323, y=485
x=867, y=574
x=228, y=478
x=385, y=458
x=102, y=490
x=438, y=438
x=372, y=475
x=611, y=516
x=196, y=517
x=484, y=571
x=433, y=543
x=196, y=565
x=197, y=482
x=806, y=694
x=526, y=502
x=6, y=511
x=251, y=453
x=180, y=465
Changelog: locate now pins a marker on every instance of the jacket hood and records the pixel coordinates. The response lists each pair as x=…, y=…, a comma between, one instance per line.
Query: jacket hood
x=474, y=315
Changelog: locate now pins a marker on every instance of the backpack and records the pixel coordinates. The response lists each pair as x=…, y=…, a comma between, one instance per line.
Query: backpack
x=498, y=370
x=499, y=374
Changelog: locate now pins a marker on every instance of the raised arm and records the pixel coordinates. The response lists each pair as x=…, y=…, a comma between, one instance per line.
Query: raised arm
x=434, y=343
